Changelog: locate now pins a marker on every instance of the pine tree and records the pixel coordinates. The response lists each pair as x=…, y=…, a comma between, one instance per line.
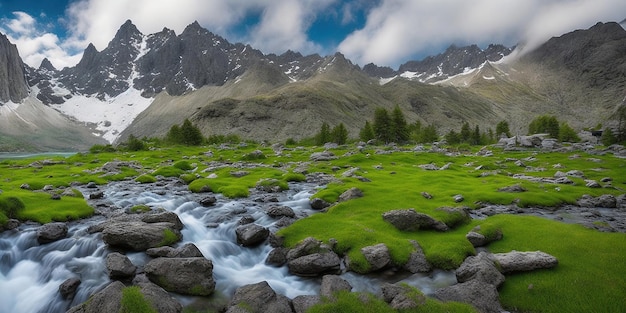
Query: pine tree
x=367, y=132
x=475, y=139
x=503, y=128
x=567, y=134
x=339, y=134
x=466, y=133
x=429, y=134
x=608, y=138
x=452, y=137
x=382, y=125
x=191, y=134
x=399, y=126
x=324, y=135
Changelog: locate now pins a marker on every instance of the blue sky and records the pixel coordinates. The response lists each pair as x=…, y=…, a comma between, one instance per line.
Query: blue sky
x=385, y=32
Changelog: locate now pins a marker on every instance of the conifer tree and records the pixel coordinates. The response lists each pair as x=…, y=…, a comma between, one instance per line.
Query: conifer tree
x=367, y=132
x=324, y=135
x=339, y=134
x=382, y=125
x=399, y=126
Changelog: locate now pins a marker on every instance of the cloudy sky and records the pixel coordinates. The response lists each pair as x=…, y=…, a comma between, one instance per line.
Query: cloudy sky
x=386, y=32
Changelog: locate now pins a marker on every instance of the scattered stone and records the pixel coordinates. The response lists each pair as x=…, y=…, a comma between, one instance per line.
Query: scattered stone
x=68, y=288
x=25, y=186
x=429, y=167
x=409, y=220
x=350, y=194
x=208, y=201
x=315, y=264
x=377, y=256
x=189, y=276
x=514, y=188
x=47, y=188
x=277, y=211
x=55, y=196
x=606, y=179
x=251, y=234
x=516, y=261
x=307, y=246
x=401, y=297
x=417, y=262
x=260, y=297
x=246, y=219
x=159, y=251
x=91, y=185
x=476, y=239
x=96, y=195
x=590, y=183
x=302, y=304
x=164, y=217
x=119, y=266
x=332, y=284
x=188, y=250
x=322, y=156
x=481, y=267
x=426, y=195
x=483, y=296
x=319, y=204
x=575, y=173
x=458, y=198
x=239, y=174
x=51, y=232
x=277, y=257
x=564, y=181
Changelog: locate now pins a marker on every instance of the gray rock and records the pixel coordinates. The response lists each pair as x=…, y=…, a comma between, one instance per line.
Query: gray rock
x=476, y=239
x=592, y=184
x=575, y=173
x=259, y=297
x=246, y=219
x=513, y=188
x=164, y=217
x=277, y=211
x=208, y=201
x=377, y=256
x=516, y=261
x=350, y=194
x=429, y=167
x=319, y=204
x=251, y=234
x=409, y=220
x=188, y=250
x=68, y=288
x=51, y=232
x=417, y=262
x=301, y=304
x=458, y=198
x=322, y=156
x=401, y=297
x=138, y=236
x=426, y=195
x=564, y=181
x=277, y=257
x=160, y=299
x=307, y=246
x=119, y=266
x=315, y=264
x=96, y=195
x=190, y=276
x=332, y=284
x=483, y=296
x=105, y=301
x=159, y=251
x=481, y=267
x=606, y=201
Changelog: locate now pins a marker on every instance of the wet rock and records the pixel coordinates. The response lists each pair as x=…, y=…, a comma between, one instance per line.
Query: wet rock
x=91, y=185
x=277, y=211
x=319, y=204
x=350, y=194
x=277, y=257
x=332, y=284
x=140, y=236
x=208, y=201
x=68, y=288
x=603, y=201
x=377, y=256
x=315, y=264
x=189, y=276
x=188, y=250
x=105, y=301
x=165, y=217
x=246, y=219
x=259, y=297
x=302, y=304
x=307, y=246
x=51, y=232
x=516, y=261
x=417, y=262
x=159, y=251
x=401, y=297
x=160, y=299
x=409, y=220
x=426, y=195
x=251, y=234
x=483, y=296
x=96, y=195
x=119, y=266
x=481, y=267
x=476, y=239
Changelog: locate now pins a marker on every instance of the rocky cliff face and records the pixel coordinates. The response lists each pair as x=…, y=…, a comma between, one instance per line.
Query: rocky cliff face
x=13, y=86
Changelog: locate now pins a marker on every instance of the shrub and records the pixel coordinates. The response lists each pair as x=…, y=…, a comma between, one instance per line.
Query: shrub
x=503, y=128
x=567, y=134
x=544, y=124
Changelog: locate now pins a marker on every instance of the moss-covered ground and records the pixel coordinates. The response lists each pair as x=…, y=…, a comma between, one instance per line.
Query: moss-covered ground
x=592, y=265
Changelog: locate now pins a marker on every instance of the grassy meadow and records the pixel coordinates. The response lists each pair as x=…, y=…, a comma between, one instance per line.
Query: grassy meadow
x=592, y=264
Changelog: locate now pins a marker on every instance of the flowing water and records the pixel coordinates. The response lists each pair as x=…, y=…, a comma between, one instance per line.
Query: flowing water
x=30, y=273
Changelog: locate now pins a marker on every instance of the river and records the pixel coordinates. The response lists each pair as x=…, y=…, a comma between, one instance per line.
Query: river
x=30, y=273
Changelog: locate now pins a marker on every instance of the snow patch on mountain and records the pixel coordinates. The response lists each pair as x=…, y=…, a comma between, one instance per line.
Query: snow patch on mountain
x=110, y=116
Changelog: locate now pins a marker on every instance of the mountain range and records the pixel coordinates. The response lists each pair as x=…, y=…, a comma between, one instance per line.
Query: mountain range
x=143, y=84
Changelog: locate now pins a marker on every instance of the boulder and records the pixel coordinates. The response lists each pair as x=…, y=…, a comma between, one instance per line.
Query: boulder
x=251, y=234
x=322, y=156
x=417, y=262
x=96, y=195
x=68, y=288
x=513, y=188
x=315, y=264
x=208, y=201
x=302, y=304
x=277, y=211
x=409, y=220
x=481, y=295
x=332, y=284
x=277, y=257
x=119, y=266
x=606, y=201
x=139, y=236
x=401, y=297
x=476, y=239
x=377, y=256
x=516, y=261
x=426, y=195
x=160, y=299
x=159, y=251
x=259, y=297
x=481, y=267
x=188, y=250
x=189, y=276
x=319, y=204
x=51, y=232
x=307, y=246
x=164, y=217
x=350, y=194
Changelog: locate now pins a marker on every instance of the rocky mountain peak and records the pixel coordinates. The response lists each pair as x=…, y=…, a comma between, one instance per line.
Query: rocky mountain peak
x=47, y=65
x=128, y=32
x=13, y=85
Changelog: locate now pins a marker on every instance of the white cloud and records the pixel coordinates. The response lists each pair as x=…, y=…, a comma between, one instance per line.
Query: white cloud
x=398, y=29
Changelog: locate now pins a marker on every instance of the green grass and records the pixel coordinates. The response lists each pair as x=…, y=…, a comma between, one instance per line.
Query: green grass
x=140, y=208
x=169, y=238
x=168, y=171
x=145, y=179
x=133, y=301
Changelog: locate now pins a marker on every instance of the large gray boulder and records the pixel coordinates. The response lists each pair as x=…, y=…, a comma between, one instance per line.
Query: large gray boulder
x=190, y=276
x=68, y=288
x=140, y=236
x=315, y=264
x=401, y=297
x=51, y=232
x=350, y=194
x=251, y=234
x=188, y=250
x=259, y=297
x=277, y=211
x=303, y=303
x=164, y=217
x=481, y=267
x=377, y=256
x=516, y=261
x=332, y=284
x=483, y=296
x=119, y=266
x=410, y=220
x=307, y=246
x=417, y=262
